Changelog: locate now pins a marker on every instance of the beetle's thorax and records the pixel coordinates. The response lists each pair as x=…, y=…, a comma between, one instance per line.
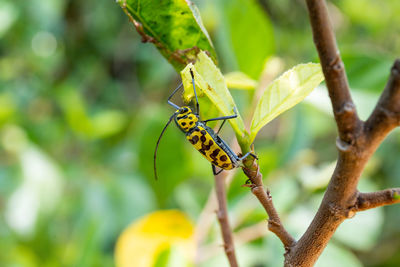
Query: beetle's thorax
x=186, y=119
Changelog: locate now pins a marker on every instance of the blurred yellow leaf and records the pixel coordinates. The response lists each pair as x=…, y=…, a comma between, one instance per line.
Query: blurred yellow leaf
x=143, y=241
x=284, y=93
x=210, y=81
x=240, y=80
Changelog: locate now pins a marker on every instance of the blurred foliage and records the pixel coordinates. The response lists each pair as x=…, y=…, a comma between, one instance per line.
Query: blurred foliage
x=82, y=102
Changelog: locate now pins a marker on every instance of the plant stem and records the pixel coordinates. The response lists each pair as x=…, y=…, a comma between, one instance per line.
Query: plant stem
x=222, y=215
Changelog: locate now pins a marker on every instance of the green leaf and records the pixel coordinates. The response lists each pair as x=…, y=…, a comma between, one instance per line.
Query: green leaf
x=285, y=92
x=173, y=26
x=251, y=35
x=210, y=82
x=239, y=80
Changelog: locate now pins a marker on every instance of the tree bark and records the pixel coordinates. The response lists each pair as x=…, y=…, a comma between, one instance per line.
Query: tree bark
x=356, y=143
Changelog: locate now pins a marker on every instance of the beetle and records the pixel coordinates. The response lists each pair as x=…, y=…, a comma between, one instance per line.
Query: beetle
x=202, y=137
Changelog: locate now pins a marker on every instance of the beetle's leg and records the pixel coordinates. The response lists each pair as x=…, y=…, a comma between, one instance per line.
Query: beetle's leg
x=220, y=127
x=173, y=93
x=224, y=117
x=246, y=155
x=215, y=172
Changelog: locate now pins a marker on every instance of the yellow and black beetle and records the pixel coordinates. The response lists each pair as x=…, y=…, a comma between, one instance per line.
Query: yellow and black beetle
x=202, y=137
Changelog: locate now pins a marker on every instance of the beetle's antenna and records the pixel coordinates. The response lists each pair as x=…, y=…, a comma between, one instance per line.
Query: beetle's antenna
x=158, y=142
x=169, y=98
x=195, y=94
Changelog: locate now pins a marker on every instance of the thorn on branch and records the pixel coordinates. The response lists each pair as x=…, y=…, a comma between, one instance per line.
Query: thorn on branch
x=347, y=108
x=342, y=146
x=336, y=64
x=338, y=212
x=273, y=224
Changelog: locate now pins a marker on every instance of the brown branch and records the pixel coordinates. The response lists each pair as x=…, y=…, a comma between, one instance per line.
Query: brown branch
x=386, y=114
x=356, y=143
x=274, y=222
x=366, y=201
x=223, y=219
x=341, y=195
x=344, y=109
x=205, y=220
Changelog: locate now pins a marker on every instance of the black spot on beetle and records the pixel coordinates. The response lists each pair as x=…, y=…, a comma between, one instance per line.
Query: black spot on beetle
x=225, y=165
x=191, y=123
x=183, y=123
x=203, y=132
x=194, y=140
x=206, y=147
x=215, y=153
x=223, y=158
x=203, y=138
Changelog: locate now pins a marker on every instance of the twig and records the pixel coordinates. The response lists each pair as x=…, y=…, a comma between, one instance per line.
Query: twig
x=274, y=222
x=206, y=218
x=223, y=219
x=372, y=200
x=386, y=114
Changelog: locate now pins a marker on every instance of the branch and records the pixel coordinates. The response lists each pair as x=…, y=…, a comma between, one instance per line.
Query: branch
x=356, y=143
x=366, y=201
x=223, y=219
x=344, y=109
x=274, y=222
x=205, y=220
x=386, y=114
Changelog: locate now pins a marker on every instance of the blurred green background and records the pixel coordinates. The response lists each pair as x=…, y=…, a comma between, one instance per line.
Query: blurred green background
x=82, y=102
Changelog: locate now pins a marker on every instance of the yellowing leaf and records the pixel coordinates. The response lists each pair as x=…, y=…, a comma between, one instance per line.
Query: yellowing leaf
x=142, y=242
x=210, y=82
x=285, y=92
x=239, y=80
